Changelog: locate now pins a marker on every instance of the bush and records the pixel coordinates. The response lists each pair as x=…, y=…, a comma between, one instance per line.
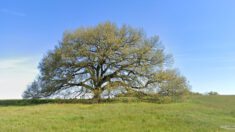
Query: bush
x=137, y=94
x=165, y=100
x=195, y=93
x=153, y=98
x=212, y=93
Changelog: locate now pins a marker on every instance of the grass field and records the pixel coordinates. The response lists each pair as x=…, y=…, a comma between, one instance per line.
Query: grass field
x=197, y=114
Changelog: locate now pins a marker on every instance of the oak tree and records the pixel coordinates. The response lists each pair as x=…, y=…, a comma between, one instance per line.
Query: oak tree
x=106, y=58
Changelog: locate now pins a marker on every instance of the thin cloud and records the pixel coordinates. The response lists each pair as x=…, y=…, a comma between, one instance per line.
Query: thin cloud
x=16, y=74
x=11, y=12
x=17, y=64
x=11, y=63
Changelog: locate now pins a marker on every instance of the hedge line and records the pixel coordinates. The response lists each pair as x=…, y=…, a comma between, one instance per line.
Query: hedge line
x=24, y=102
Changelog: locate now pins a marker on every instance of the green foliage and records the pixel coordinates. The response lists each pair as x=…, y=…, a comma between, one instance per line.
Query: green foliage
x=26, y=102
x=154, y=97
x=137, y=94
x=151, y=98
x=107, y=57
x=195, y=93
x=174, y=84
x=165, y=99
x=33, y=91
x=212, y=93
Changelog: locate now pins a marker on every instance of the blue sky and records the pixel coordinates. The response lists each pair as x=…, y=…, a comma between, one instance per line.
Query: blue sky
x=200, y=34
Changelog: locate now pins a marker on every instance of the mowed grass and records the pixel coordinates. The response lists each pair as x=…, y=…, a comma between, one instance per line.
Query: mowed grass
x=197, y=114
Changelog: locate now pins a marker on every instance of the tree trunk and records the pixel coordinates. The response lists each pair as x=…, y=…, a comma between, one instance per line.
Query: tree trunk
x=97, y=95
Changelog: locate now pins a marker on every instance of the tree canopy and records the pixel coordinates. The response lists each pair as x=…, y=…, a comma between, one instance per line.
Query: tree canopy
x=33, y=91
x=107, y=58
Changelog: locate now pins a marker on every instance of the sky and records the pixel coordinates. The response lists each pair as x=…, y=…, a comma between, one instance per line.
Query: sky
x=200, y=34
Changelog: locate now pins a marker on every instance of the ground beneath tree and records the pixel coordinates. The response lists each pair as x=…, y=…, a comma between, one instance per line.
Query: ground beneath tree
x=197, y=114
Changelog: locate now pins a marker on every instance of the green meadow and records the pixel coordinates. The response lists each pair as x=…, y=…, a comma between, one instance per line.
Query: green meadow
x=196, y=114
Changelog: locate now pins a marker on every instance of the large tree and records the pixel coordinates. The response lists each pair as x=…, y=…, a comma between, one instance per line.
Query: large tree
x=105, y=58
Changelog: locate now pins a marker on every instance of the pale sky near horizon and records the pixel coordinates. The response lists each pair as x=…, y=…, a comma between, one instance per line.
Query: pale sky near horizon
x=200, y=34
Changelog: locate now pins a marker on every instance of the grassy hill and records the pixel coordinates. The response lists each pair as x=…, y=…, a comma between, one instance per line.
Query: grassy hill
x=197, y=114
